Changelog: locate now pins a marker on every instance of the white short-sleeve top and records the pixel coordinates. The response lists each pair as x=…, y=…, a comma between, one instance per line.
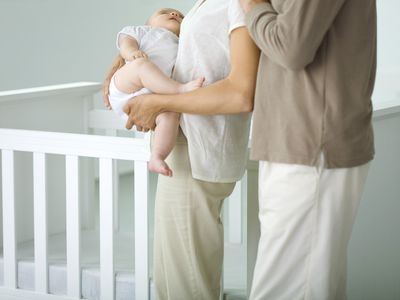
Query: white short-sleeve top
x=160, y=44
x=217, y=144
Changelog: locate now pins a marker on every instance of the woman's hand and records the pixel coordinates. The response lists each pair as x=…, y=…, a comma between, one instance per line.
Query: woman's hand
x=142, y=112
x=106, y=92
x=117, y=64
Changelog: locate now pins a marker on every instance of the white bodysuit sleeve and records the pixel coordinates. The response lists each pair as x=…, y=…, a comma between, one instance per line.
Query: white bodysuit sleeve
x=236, y=16
x=136, y=32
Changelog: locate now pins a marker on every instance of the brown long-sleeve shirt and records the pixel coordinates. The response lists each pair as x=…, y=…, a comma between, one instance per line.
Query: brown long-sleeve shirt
x=315, y=81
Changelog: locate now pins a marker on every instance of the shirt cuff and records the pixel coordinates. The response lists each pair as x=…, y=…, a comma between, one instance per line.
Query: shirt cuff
x=255, y=11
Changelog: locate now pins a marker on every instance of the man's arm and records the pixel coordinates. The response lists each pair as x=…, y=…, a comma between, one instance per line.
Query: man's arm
x=291, y=39
x=234, y=94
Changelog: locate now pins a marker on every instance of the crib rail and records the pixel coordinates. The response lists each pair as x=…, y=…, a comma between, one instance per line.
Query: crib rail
x=73, y=146
x=75, y=88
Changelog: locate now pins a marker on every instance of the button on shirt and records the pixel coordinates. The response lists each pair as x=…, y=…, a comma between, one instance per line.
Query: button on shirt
x=217, y=144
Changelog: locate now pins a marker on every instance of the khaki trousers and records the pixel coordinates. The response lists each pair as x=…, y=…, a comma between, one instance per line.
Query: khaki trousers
x=306, y=216
x=188, y=232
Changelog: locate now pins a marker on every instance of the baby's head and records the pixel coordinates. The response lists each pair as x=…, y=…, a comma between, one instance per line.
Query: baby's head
x=167, y=18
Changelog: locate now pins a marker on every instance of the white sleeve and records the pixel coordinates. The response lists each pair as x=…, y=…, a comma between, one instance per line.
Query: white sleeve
x=137, y=32
x=236, y=15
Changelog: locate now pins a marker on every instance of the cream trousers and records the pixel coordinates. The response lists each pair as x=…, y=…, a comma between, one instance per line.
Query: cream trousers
x=188, y=233
x=306, y=217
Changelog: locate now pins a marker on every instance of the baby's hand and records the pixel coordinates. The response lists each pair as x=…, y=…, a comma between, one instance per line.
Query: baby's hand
x=137, y=54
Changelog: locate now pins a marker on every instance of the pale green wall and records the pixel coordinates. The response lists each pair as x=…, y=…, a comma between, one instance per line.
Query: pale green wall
x=56, y=41
x=374, y=251
x=388, y=73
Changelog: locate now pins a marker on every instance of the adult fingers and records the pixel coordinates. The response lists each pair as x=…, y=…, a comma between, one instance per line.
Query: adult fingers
x=126, y=109
x=106, y=100
x=107, y=103
x=129, y=124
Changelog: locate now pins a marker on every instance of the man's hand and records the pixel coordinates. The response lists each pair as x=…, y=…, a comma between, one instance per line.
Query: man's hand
x=136, y=54
x=142, y=111
x=247, y=5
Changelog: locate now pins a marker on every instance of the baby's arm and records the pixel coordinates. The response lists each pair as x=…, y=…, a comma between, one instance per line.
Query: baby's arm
x=129, y=49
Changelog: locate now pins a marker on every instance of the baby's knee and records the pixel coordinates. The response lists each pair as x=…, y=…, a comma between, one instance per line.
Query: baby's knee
x=139, y=63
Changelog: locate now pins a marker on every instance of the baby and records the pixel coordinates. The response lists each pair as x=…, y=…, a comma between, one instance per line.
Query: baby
x=147, y=57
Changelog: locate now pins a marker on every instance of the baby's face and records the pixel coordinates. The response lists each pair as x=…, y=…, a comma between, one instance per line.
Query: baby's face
x=167, y=18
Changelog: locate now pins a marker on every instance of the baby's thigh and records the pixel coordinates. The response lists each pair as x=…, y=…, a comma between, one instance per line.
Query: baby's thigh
x=127, y=78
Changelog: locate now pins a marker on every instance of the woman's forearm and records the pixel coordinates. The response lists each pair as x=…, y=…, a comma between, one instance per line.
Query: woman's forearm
x=222, y=97
x=235, y=94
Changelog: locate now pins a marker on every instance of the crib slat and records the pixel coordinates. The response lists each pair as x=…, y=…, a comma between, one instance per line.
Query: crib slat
x=73, y=226
x=9, y=241
x=40, y=222
x=106, y=229
x=142, y=287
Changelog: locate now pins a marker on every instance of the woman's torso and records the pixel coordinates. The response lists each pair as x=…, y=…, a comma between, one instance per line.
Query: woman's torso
x=217, y=144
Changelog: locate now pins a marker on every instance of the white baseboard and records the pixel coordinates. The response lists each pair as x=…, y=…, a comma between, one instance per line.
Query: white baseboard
x=18, y=294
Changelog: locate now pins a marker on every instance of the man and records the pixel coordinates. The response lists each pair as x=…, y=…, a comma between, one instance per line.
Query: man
x=313, y=136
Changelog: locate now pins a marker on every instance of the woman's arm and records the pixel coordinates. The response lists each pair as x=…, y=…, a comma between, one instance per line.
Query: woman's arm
x=233, y=94
x=129, y=50
x=117, y=64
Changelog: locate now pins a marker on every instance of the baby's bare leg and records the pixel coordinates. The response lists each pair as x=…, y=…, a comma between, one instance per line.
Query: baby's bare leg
x=144, y=73
x=164, y=140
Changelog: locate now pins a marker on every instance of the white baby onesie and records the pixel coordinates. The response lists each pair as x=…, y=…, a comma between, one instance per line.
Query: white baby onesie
x=160, y=45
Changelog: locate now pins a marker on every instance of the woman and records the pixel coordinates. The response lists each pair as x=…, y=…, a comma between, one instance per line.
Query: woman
x=211, y=151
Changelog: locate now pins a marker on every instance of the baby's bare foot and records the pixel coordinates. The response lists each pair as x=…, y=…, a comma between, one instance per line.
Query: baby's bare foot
x=157, y=165
x=192, y=85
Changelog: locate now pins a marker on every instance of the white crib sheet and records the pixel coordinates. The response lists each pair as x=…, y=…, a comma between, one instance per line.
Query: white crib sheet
x=90, y=262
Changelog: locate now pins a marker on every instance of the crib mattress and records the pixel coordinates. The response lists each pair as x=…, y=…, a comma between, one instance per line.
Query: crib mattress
x=123, y=266
x=90, y=262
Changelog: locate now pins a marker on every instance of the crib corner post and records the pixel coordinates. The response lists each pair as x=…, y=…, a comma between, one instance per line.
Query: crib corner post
x=141, y=184
x=9, y=229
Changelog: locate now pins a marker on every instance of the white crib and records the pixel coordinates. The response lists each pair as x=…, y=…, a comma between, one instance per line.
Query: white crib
x=68, y=278
x=52, y=261
x=72, y=146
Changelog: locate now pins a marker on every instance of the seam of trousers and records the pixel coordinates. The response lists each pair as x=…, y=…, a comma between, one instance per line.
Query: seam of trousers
x=193, y=276
x=318, y=170
x=165, y=274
